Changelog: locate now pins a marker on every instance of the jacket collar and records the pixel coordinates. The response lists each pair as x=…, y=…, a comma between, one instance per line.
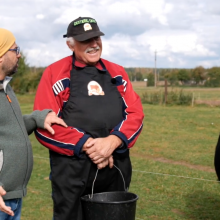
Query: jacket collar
x=4, y=83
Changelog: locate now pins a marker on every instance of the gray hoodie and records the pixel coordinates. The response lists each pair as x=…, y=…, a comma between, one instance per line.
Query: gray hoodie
x=16, y=159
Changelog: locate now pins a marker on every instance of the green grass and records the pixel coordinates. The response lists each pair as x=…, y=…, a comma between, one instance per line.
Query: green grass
x=172, y=161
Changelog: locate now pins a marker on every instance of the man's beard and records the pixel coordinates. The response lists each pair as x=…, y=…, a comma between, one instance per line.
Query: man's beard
x=9, y=71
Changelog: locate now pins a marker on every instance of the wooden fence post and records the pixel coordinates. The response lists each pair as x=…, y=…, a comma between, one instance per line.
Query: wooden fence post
x=192, y=99
x=165, y=92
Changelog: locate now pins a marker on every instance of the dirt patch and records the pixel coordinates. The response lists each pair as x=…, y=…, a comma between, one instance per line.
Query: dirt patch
x=177, y=211
x=182, y=163
x=208, y=102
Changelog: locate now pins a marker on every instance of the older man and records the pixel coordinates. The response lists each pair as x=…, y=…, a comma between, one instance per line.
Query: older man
x=104, y=117
x=16, y=159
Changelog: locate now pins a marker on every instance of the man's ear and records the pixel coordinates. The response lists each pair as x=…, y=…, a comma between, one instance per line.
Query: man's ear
x=70, y=45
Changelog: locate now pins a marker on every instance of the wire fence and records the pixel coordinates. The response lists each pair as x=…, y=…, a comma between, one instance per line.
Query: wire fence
x=138, y=171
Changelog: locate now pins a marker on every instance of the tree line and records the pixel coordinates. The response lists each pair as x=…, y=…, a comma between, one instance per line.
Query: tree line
x=27, y=78
x=199, y=76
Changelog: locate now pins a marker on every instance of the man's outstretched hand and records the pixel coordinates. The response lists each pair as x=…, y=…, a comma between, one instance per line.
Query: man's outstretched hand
x=3, y=207
x=50, y=119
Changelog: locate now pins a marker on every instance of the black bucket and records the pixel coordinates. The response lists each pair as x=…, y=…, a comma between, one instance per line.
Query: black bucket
x=118, y=205
x=110, y=206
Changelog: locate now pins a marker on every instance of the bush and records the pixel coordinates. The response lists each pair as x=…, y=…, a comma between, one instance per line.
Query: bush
x=152, y=97
x=173, y=98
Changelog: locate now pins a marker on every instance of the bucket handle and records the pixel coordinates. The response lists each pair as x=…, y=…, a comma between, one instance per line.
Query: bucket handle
x=91, y=196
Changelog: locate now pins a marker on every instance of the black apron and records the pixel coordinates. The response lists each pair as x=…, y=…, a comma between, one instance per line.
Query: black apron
x=96, y=107
x=95, y=114
x=217, y=159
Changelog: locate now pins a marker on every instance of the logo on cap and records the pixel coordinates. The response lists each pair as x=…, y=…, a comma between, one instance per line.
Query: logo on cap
x=87, y=27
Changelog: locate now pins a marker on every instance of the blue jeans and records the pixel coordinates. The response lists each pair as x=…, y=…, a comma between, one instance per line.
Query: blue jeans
x=15, y=205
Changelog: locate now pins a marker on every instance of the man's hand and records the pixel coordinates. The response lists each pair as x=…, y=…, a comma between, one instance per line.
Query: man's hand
x=100, y=149
x=3, y=207
x=85, y=146
x=50, y=119
x=109, y=161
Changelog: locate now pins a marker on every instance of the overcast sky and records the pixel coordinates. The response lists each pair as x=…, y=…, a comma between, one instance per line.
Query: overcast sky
x=184, y=33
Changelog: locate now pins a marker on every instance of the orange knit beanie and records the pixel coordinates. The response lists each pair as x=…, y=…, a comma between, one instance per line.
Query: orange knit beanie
x=7, y=39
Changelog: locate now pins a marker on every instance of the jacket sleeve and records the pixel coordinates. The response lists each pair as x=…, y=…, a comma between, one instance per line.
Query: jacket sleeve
x=34, y=120
x=130, y=127
x=67, y=141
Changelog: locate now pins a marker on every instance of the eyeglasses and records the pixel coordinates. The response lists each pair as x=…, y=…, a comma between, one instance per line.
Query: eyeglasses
x=17, y=49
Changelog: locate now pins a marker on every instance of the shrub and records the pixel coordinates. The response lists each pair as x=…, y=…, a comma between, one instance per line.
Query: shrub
x=173, y=98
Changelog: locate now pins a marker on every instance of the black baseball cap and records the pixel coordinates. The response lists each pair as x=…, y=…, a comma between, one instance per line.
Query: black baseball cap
x=83, y=28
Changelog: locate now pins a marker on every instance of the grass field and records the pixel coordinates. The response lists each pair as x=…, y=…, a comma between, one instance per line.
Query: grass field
x=173, y=172
x=199, y=92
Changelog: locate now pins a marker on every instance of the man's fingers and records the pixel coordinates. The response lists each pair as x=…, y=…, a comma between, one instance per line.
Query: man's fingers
x=98, y=161
x=51, y=119
x=99, y=166
x=4, y=208
x=7, y=210
x=102, y=165
x=90, y=150
x=111, y=162
x=60, y=122
x=92, y=142
x=49, y=128
x=94, y=156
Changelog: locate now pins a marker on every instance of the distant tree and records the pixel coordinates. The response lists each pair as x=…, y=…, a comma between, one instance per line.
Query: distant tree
x=183, y=75
x=150, y=79
x=163, y=72
x=17, y=82
x=139, y=76
x=198, y=74
x=26, y=79
x=172, y=77
x=131, y=76
x=213, y=77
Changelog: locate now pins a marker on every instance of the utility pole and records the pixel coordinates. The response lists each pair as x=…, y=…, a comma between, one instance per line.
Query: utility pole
x=155, y=70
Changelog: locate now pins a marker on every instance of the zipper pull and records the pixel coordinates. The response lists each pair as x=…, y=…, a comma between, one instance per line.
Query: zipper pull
x=8, y=97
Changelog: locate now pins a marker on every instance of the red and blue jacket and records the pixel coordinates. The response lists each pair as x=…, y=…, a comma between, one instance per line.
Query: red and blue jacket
x=53, y=93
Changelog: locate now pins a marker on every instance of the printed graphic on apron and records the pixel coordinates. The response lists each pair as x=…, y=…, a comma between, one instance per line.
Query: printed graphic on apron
x=94, y=88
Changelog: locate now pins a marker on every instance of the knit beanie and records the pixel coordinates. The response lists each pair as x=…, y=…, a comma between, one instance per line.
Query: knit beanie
x=7, y=39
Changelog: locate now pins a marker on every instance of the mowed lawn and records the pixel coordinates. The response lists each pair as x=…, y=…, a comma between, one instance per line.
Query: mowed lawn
x=199, y=93
x=173, y=171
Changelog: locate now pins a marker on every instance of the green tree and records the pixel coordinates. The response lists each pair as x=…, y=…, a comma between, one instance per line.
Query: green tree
x=17, y=81
x=183, y=75
x=26, y=79
x=150, y=79
x=172, y=77
x=139, y=76
x=213, y=77
x=198, y=74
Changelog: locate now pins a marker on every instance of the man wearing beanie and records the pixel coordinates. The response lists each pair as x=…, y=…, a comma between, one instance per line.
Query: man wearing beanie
x=16, y=159
x=104, y=117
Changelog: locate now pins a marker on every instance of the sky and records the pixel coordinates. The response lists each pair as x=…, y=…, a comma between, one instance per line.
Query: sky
x=175, y=33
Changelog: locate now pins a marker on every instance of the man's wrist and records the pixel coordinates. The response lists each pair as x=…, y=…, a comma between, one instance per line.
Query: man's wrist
x=118, y=142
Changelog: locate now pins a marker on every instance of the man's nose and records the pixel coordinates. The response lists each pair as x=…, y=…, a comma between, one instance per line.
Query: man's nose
x=93, y=42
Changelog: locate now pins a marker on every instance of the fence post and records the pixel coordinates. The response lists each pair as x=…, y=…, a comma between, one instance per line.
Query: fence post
x=165, y=92
x=192, y=99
